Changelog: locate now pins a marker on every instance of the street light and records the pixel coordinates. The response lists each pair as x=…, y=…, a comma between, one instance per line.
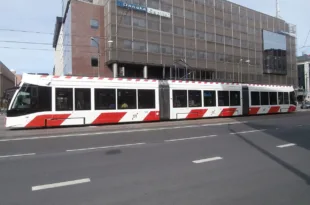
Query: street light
x=94, y=40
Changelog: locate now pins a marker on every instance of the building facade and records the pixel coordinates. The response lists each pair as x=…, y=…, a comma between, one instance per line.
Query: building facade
x=7, y=80
x=303, y=72
x=213, y=40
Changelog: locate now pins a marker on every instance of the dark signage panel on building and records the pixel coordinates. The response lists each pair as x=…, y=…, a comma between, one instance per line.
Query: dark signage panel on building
x=274, y=53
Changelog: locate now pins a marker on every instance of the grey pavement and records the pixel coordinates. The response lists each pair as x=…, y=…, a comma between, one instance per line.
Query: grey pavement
x=153, y=163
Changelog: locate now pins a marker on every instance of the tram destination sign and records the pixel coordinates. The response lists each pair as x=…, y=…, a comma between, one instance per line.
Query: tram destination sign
x=143, y=9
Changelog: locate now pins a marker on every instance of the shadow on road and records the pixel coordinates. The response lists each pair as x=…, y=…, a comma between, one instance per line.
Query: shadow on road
x=300, y=137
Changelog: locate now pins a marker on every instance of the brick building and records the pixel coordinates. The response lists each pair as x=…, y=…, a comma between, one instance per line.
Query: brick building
x=214, y=40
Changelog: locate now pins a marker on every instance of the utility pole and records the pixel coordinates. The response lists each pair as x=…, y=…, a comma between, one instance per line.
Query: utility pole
x=277, y=9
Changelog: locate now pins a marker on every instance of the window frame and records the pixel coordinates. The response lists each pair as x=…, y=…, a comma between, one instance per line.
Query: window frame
x=188, y=98
x=75, y=101
x=119, y=106
x=95, y=95
x=173, y=98
x=218, y=98
x=154, y=96
x=72, y=99
x=214, y=98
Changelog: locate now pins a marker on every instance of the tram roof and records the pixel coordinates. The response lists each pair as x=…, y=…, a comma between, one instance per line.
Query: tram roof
x=43, y=79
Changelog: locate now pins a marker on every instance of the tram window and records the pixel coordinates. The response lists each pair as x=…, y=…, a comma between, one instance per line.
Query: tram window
x=105, y=99
x=209, y=98
x=64, y=101
x=235, y=98
x=286, y=99
x=293, y=98
x=126, y=99
x=223, y=98
x=194, y=98
x=255, y=98
x=273, y=98
x=146, y=99
x=264, y=98
x=82, y=99
x=179, y=98
x=281, y=98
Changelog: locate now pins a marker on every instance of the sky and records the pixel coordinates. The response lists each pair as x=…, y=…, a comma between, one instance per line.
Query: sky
x=40, y=16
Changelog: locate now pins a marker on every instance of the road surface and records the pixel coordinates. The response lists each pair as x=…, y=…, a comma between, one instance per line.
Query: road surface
x=247, y=160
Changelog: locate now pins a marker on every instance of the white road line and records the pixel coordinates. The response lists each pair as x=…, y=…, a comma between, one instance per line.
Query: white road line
x=244, y=132
x=17, y=155
x=116, y=132
x=190, y=138
x=207, y=160
x=105, y=147
x=286, y=145
x=60, y=184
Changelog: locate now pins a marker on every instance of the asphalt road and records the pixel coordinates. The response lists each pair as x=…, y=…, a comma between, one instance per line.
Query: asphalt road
x=247, y=160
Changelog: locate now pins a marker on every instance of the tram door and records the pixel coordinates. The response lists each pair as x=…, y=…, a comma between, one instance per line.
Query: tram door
x=164, y=100
x=245, y=100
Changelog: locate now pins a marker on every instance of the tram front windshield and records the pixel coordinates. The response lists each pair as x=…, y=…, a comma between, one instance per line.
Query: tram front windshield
x=30, y=99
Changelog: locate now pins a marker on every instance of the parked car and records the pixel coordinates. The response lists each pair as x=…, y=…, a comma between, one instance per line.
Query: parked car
x=305, y=105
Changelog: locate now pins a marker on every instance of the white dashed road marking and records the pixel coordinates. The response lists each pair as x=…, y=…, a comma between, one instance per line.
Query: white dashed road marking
x=244, y=132
x=286, y=145
x=60, y=184
x=105, y=147
x=190, y=138
x=207, y=160
x=17, y=155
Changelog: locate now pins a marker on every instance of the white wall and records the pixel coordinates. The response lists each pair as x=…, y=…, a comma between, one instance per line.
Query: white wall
x=59, y=54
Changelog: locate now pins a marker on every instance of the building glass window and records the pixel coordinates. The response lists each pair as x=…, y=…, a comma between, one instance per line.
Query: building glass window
x=210, y=56
x=219, y=39
x=210, y=37
x=209, y=20
x=194, y=98
x=223, y=98
x=200, y=17
x=138, y=22
x=201, y=54
x=190, y=53
x=146, y=99
x=95, y=42
x=153, y=48
x=126, y=20
x=179, y=98
x=64, y=99
x=94, y=23
x=166, y=49
x=200, y=35
x=127, y=44
x=189, y=15
x=190, y=32
x=82, y=99
x=105, y=99
x=179, y=52
x=178, y=11
x=153, y=25
x=94, y=61
x=274, y=53
x=139, y=46
x=178, y=30
x=166, y=27
x=219, y=22
x=126, y=99
x=209, y=98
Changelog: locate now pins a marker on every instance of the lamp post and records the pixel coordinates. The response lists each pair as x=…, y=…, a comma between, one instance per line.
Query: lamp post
x=239, y=70
x=96, y=42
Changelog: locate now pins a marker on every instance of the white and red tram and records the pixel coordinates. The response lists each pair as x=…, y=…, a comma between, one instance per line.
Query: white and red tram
x=52, y=101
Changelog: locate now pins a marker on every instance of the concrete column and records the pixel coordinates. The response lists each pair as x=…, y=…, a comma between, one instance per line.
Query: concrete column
x=145, y=71
x=115, y=74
